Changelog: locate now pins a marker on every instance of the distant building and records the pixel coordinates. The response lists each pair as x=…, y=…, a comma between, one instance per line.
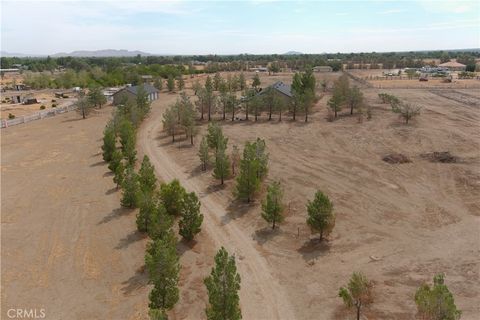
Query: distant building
x=132, y=91
x=322, y=69
x=453, y=65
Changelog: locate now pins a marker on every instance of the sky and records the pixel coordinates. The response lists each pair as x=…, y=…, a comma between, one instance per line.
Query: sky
x=233, y=27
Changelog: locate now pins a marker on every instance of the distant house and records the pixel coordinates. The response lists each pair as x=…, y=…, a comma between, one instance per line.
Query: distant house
x=453, y=65
x=132, y=91
x=322, y=69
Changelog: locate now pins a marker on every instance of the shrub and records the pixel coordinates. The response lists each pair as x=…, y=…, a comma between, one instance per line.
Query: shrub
x=42, y=107
x=11, y=116
x=53, y=100
x=54, y=105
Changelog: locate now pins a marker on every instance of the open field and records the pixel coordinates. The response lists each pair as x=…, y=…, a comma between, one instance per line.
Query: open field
x=399, y=224
x=68, y=247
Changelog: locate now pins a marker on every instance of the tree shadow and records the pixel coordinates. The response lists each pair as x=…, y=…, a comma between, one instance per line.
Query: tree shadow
x=136, y=282
x=235, y=210
x=98, y=164
x=132, y=237
x=116, y=214
x=113, y=190
x=215, y=188
x=108, y=174
x=265, y=234
x=96, y=154
x=73, y=120
x=184, y=246
x=197, y=171
x=314, y=248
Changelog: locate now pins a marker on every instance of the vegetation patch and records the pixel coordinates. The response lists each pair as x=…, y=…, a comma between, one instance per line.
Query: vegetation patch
x=396, y=158
x=443, y=157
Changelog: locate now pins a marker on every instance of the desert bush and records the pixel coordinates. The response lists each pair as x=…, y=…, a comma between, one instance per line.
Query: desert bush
x=11, y=116
x=407, y=111
x=42, y=107
x=54, y=105
x=53, y=100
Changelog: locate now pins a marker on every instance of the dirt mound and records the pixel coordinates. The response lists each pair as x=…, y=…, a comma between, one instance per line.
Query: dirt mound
x=443, y=157
x=395, y=158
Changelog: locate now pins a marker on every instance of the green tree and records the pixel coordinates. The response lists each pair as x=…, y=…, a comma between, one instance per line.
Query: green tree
x=84, y=107
x=160, y=223
x=223, y=285
x=161, y=261
x=407, y=111
x=203, y=153
x=191, y=220
x=222, y=162
x=130, y=196
x=242, y=82
x=437, y=302
x=147, y=178
x=256, y=82
x=180, y=83
x=320, y=214
x=248, y=181
x=187, y=118
x=119, y=176
x=115, y=160
x=297, y=93
x=272, y=207
x=335, y=104
x=354, y=98
x=158, y=83
x=208, y=97
x=109, y=142
x=170, y=83
x=148, y=208
x=127, y=141
x=170, y=121
x=172, y=195
x=215, y=136
x=357, y=293
x=96, y=97
x=235, y=158
x=143, y=104
x=261, y=158
x=217, y=80
x=157, y=314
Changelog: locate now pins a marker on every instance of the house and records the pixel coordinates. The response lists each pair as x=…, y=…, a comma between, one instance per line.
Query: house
x=453, y=65
x=131, y=93
x=322, y=69
x=283, y=90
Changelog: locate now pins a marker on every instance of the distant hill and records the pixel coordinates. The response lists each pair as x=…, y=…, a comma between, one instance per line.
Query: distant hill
x=15, y=54
x=292, y=53
x=102, y=53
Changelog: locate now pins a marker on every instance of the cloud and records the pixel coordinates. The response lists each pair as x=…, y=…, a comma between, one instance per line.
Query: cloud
x=450, y=6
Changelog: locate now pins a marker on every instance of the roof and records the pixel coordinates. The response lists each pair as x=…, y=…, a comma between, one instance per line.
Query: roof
x=452, y=64
x=281, y=87
x=147, y=87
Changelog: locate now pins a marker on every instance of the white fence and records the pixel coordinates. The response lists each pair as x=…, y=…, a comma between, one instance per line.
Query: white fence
x=37, y=116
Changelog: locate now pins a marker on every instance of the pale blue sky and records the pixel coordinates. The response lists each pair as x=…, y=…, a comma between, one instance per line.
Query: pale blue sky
x=230, y=27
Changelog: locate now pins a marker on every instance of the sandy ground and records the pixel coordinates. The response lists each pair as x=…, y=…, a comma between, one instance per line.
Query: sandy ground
x=44, y=98
x=67, y=245
x=399, y=224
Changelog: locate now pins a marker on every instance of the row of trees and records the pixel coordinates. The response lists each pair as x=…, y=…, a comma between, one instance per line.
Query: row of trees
x=159, y=206
x=433, y=303
x=180, y=117
x=240, y=62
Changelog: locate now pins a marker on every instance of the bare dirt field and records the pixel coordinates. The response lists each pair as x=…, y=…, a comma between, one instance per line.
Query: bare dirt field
x=405, y=83
x=67, y=245
x=399, y=224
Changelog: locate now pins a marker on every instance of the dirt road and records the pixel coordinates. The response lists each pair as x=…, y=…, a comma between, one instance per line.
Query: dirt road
x=261, y=296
